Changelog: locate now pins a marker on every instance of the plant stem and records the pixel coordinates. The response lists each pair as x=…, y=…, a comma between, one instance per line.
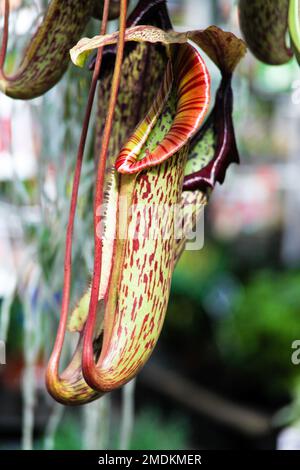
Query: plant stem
x=88, y=362
x=55, y=357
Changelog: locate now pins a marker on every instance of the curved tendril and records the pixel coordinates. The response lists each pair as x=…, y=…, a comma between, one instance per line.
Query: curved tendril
x=54, y=383
x=114, y=9
x=89, y=366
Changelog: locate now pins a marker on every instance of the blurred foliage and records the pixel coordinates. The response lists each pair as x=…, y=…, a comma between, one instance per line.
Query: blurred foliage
x=15, y=334
x=151, y=431
x=250, y=317
x=258, y=334
x=197, y=270
x=69, y=435
x=290, y=414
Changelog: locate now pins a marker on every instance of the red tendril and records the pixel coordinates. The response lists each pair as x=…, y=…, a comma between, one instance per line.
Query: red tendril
x=89, y=367
x=53, y=365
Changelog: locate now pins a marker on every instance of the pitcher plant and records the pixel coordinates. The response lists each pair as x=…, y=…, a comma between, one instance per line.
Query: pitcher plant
x=159, y=145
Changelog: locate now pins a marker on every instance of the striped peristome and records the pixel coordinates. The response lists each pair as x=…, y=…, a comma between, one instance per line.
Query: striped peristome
x=193, y=95
x=127, y=158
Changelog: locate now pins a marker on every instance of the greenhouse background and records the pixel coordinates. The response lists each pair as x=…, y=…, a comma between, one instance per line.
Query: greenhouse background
x=222, y=375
